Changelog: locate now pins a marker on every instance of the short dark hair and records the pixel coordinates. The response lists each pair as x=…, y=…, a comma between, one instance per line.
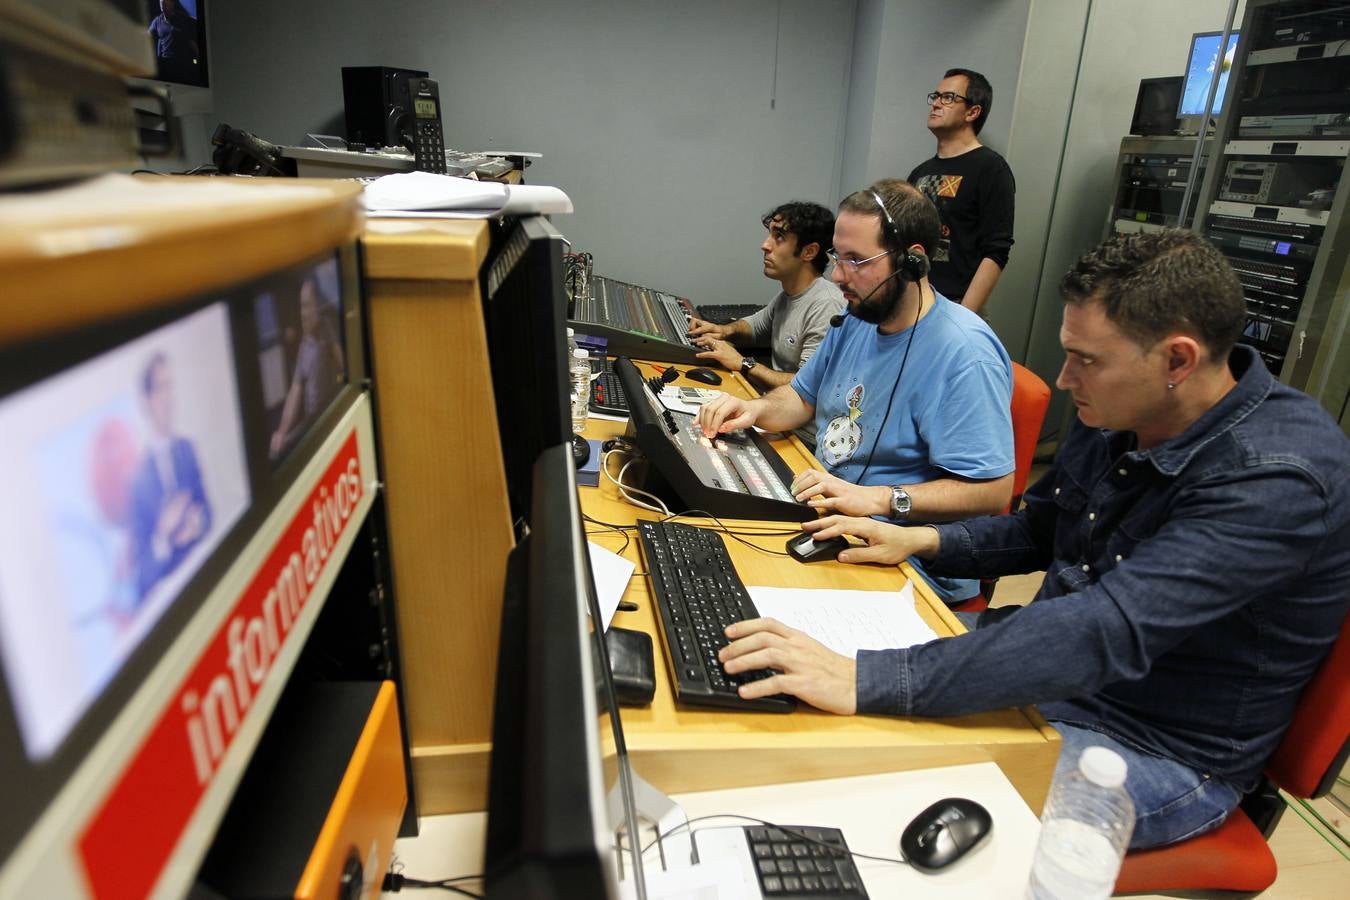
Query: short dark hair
x=1154, y=284
x=811, y=223
x=978, y=93
x=157, y=359
x=915, y=216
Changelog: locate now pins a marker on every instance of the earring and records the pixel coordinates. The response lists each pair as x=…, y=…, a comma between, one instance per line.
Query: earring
x=1171, y=386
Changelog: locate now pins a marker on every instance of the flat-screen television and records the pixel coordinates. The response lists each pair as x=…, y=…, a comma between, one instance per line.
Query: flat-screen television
x=559, y=785
x=177, y=31
x=1155, y=107
x=1204, y=57
x=525, y=312
x=140, y=466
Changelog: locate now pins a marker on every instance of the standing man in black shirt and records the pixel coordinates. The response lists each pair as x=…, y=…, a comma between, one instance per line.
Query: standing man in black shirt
x=971, y=186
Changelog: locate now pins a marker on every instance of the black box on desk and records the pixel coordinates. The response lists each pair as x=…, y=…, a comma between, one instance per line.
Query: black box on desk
x=374, y=98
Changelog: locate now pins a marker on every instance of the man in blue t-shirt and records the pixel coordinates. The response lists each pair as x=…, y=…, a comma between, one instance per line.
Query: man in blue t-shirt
x=910, y=396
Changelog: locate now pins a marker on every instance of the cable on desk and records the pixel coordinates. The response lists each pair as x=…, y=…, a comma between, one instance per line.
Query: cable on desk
x=622, y=532
x=624, y=489
x=722, y=526
x=397, y=881
x=765, y=822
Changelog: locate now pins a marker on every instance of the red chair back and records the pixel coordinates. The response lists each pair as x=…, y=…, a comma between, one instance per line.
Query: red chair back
x=1314, y=749
x=1030, y=400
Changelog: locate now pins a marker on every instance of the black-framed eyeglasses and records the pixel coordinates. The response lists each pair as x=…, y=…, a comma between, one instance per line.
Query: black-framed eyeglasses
x=947, y=98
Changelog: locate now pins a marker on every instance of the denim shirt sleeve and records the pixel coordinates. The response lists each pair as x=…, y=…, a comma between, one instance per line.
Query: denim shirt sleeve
x=1211, y=557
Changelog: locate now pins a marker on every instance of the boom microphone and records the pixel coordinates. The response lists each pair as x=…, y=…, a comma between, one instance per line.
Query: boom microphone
x=837, y=320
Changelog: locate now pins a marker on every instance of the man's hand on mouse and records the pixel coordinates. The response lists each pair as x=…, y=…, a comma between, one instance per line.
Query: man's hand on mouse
x=806, y=668
x=840, y=496
x=720, y=352
x=727, y=413
x=886, y=543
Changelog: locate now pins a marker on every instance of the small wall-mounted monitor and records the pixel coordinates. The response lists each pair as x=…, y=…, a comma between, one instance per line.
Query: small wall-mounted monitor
x=1200, y=64
x=1155, y=108
x=178, y=34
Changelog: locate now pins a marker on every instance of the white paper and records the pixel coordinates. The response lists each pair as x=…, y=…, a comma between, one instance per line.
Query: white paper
x=426, y=190
x=612, y=573
x=847, y=621
x=671, y=399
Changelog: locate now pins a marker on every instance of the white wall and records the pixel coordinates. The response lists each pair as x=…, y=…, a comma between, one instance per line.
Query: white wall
x=660, y=120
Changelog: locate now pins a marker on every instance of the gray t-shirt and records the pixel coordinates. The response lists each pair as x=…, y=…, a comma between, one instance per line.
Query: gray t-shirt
x=794, y=327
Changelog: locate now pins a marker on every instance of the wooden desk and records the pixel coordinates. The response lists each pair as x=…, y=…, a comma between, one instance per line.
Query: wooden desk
x=688, y=749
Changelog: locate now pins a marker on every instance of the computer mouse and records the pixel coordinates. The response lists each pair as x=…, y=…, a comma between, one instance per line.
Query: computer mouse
x=707, y=376
x=944, y=833
x=805, y=548
x=581, y=450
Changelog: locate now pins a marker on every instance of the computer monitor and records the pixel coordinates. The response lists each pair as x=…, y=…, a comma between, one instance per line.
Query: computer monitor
x=525, y=312
x=178, y=34
x=1200, y=64
x=559, y=787
x=1155, y=107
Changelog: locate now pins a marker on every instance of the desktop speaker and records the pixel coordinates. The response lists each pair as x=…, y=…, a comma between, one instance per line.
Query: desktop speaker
x=376, y=100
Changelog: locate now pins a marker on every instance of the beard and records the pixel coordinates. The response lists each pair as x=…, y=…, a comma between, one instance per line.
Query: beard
x=880, y=305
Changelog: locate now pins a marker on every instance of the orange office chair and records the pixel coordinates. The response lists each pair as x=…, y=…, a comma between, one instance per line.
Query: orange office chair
x=1030, y=399
x=1235, y=856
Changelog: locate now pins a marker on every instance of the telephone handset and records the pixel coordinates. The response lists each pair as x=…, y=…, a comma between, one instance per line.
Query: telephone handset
x=422, y=106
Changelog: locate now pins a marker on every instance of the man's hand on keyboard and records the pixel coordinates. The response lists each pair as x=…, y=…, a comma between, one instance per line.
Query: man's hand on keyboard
x=840, y=496
x=727, y=413
x=886, y=543
x=806, y=668
x=720, y=352
x=698, y=328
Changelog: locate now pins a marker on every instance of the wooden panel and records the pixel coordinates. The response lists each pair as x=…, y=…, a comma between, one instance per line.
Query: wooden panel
x=122, y=245
x=449, y=521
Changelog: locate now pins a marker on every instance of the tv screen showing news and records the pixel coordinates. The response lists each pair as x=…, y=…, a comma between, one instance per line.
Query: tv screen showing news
x=178, y=32
x=125, y=473
x=301, y=359
x=1204, y=56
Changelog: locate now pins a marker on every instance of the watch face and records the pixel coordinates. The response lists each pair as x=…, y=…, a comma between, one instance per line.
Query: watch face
x=900, y=502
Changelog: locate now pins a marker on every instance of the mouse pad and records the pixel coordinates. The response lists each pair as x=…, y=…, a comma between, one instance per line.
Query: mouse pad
x=589, y=474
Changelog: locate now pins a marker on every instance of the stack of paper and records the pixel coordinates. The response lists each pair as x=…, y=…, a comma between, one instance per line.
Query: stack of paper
x=426, y=195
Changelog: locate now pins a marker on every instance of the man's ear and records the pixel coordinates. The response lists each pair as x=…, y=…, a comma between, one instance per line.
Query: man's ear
x=973, y=113
x=810, y=251
x=1184, y=355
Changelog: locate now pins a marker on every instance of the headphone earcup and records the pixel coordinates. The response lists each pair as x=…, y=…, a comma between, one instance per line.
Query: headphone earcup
x=915, y=264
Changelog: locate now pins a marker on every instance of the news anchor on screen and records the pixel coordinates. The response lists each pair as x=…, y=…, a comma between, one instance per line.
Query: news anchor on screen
x=169, y=509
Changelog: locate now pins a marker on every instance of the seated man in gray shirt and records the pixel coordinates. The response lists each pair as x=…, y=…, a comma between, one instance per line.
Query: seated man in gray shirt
x=795, y=321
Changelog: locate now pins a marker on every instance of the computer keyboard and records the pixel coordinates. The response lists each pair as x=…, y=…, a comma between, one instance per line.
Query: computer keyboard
x=727, y=313
x=607, y=394
x=698, y=594
x=803, y=862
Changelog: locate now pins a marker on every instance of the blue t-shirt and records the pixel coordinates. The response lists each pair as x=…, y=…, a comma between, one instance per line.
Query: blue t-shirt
x=950, y=414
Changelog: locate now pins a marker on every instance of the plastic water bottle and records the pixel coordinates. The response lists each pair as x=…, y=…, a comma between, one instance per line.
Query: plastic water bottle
x=571, y=345
x=580, y=375
x=1085, y=830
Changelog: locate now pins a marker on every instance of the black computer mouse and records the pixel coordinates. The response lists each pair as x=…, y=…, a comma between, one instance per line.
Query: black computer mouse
x=805, y=548
x=944, y=833
x=581, y=450
x=707, y=376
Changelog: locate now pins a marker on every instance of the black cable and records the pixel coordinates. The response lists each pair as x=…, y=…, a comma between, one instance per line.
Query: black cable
x=397, y=881
x=890, y=404
x=722, y=526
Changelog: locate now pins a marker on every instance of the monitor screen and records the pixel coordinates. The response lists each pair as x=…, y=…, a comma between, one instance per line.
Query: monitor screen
x=1204, y=56
x=125, y=473
x=1155, y=107
x=525, y=311
x=302, y=363
x=558, y=756
x=178, y=31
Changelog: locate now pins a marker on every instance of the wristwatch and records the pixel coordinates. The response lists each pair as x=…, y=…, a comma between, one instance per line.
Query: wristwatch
x=747, y=363
x=900, y=502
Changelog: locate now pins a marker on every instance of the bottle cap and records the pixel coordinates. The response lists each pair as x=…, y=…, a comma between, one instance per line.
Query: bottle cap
x=571, y=333
x=1102, y=766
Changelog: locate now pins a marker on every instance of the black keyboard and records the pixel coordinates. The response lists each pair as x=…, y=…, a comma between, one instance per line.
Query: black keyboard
x=607, y=394
x=803, y=862
x=727, y=313
x=698, y=594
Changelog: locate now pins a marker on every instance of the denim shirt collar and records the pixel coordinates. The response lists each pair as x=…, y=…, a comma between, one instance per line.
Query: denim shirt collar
x=1254, y=382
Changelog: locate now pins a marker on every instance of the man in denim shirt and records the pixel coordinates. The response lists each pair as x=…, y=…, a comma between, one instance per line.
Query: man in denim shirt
x=1195, y=529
